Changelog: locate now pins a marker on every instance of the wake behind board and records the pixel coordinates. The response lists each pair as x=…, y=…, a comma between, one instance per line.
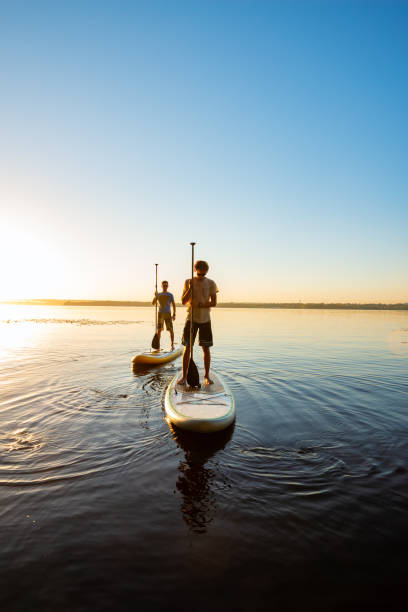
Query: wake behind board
x=207, y=409
x=158, y=357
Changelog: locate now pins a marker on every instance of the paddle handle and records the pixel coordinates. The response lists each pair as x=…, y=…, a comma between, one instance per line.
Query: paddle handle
x=191, y=297
x=156, y=298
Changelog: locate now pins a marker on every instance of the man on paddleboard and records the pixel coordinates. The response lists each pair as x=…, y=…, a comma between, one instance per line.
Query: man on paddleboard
x=205, y=297
x=165, y=300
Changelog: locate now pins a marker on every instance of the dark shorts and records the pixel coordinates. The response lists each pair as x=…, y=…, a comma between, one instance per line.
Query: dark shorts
x=204, y=330
x=164, y=317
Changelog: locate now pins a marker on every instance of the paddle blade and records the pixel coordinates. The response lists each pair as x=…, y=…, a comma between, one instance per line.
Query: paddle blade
x=193, y=378
x=156, y=342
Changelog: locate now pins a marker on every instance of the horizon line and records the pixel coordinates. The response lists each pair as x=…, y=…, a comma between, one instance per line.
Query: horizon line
x=136, y=303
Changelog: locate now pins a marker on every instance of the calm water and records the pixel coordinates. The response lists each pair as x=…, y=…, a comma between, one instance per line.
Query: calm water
x=303, y=504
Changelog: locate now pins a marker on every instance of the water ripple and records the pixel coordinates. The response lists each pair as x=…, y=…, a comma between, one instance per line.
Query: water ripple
x=315, y=467
x=71, y=321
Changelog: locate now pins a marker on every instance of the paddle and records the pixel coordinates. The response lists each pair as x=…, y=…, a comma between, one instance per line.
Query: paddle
x=156, y=339
x=193, y=378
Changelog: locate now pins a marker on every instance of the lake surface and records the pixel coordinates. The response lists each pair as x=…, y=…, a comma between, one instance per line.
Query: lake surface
x=301, y=505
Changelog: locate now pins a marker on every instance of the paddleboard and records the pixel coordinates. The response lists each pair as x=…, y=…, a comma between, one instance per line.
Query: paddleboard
x=158, y=357
x=207, y=409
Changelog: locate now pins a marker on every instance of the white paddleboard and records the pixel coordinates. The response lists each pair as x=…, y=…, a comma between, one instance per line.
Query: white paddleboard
x=207, y=409
x=153, y=357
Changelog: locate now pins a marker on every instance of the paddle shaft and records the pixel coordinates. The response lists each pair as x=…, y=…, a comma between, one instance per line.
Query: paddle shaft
x=156, y=298
x=192, y=296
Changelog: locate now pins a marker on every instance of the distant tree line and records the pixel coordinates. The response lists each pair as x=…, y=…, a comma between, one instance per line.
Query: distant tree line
x=292, y=305
x=315, y=305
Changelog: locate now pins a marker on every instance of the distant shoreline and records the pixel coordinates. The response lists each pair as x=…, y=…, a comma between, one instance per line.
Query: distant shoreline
x=287, y=305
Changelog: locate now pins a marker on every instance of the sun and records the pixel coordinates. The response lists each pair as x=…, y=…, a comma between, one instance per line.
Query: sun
x=27, y=264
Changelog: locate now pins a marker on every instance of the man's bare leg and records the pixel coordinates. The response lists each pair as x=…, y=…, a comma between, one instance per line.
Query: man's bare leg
x=186, y=361
x=172, y=339
x=207, y=362
x=159, y=331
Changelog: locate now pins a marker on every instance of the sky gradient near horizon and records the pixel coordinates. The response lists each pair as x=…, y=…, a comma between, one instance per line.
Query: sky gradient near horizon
x=273, y=133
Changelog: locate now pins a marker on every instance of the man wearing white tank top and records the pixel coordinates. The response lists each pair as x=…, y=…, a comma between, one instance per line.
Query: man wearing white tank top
x=205, y=297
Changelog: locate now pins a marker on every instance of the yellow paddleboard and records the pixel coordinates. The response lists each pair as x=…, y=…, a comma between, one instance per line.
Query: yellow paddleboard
x=159, y=357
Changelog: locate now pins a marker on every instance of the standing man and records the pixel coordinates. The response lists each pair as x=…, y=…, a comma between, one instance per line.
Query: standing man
x=205, y=297
x=165, y=300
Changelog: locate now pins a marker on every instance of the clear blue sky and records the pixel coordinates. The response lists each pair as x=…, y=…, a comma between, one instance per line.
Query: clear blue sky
x=272, y=133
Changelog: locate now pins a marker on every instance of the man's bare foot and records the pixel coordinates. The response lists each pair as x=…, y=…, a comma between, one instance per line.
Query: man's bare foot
x=172, y=347
x=208, y=381
x=181, y=381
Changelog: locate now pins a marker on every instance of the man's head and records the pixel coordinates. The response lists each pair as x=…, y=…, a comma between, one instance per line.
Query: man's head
x=165, y=285
x=201, y=268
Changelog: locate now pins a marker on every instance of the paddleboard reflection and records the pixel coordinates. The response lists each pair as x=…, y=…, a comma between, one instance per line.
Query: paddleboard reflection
x=196, y=482
x=141, y=369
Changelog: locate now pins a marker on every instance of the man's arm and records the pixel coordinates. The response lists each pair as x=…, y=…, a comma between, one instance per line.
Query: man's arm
x=174, y=308
x=154, y=299
x=213, y=295
x=186, y=293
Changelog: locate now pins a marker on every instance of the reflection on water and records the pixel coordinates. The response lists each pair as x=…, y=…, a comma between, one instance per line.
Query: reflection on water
x=194, y=482
x=69, y=321
x=142, y=369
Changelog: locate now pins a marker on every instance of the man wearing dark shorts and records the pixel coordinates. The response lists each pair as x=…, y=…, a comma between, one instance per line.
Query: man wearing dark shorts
x=205, y=297
x=165, y=300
